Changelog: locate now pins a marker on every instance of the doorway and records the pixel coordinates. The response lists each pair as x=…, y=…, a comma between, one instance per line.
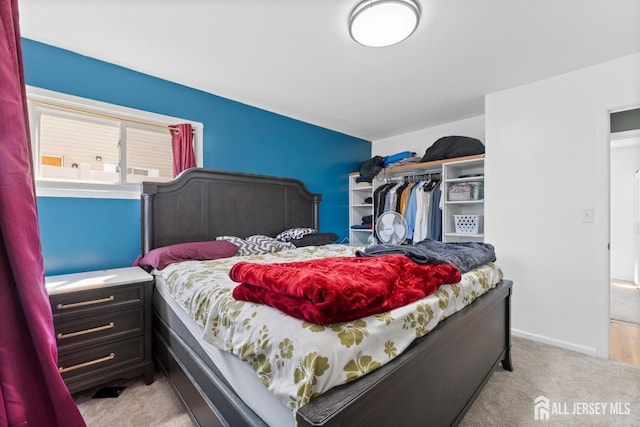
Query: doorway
x=625, y=236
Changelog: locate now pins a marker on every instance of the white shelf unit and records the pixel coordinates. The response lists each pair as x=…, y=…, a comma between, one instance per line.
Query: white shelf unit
x=453, y=171
x=358, y=192
x=459, y=172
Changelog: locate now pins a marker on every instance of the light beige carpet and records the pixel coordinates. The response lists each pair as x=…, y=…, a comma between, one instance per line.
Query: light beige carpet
x=569, y=380
x=139, y=405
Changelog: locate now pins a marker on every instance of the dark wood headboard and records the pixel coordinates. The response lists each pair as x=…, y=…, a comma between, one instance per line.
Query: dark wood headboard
x=201, y=204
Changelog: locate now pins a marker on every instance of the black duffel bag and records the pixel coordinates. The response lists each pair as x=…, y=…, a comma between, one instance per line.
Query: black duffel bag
x=370, y=168
x=449, y=147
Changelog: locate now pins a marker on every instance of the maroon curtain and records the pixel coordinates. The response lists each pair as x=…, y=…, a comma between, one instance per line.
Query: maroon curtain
x=32, y=392
x=182, y=143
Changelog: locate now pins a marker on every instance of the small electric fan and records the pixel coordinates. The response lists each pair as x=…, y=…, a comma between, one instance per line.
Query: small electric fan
x=391, y=228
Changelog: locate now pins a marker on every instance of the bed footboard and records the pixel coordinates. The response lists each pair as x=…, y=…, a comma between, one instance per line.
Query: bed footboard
x=437, y=379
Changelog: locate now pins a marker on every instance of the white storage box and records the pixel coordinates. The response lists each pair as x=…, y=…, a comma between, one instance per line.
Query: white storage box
x=463, y=191
x=468, y=224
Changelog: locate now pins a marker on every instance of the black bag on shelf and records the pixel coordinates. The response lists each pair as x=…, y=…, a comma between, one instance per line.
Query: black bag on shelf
x=370, y=168
x=449, y=147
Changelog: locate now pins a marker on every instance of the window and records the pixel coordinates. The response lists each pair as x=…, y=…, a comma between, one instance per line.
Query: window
x=84, y=148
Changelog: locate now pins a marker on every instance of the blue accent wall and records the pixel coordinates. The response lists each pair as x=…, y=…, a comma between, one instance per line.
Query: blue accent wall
x=88, y=234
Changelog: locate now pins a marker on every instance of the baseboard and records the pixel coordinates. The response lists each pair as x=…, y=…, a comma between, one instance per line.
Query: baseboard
x=589, y=351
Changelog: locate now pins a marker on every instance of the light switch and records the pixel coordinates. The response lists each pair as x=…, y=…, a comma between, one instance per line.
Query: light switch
x=586, y=215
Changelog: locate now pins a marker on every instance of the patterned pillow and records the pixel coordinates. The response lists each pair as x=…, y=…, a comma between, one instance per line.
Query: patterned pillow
x=245, y=247
x=295, y=233
x=269, y=244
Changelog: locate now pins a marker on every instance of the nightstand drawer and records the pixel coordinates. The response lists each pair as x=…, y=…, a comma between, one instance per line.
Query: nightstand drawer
x=88, y=361
x=68, y=303
x=89, y=329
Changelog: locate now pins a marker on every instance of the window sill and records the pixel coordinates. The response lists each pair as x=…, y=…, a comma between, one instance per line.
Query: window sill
x=90, y=191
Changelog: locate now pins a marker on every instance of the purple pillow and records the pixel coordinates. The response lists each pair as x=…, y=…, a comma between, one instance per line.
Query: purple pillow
x=192, y=251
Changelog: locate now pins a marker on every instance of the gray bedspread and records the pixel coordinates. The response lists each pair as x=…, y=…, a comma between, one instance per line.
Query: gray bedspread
x=464, y=255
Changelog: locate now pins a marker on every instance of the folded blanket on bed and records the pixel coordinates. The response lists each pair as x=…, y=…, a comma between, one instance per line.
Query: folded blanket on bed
x=339, y=289
x=464, y=255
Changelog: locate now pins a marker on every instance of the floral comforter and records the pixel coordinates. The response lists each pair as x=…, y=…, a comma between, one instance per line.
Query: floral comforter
x=298, y=360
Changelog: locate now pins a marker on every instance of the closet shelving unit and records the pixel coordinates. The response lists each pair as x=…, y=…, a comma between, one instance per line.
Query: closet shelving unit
x=462, y=172
x=453, y=172
x=358, y=193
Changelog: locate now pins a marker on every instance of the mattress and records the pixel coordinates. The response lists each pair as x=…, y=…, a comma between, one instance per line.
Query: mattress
x=275, y=370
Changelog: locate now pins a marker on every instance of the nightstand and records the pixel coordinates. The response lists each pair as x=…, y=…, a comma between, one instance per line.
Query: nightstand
x=102, y=321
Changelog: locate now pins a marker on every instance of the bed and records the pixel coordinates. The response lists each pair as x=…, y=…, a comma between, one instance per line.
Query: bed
x=435, y=380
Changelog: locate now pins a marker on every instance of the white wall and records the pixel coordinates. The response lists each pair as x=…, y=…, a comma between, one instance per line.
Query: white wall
x=547, y=160
x=625, y=161
x=420, y=140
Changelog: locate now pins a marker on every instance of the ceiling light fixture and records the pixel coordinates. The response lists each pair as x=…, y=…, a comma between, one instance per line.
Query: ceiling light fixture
x=379, y=23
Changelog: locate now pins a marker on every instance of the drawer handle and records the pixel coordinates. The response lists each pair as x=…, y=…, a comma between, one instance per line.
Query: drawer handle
x=83, y=303
x=85, y=364
x=85, y=331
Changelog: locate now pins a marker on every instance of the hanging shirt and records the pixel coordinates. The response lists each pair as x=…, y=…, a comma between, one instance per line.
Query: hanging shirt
x=418, y=233
x=379, y=197
x=410, y=214
x=435, y=228
x=390, y=200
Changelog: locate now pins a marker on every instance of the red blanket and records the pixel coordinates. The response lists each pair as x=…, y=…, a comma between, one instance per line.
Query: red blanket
x=339, y=289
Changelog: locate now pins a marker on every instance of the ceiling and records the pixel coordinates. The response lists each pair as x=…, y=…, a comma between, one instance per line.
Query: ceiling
x=295, y=57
